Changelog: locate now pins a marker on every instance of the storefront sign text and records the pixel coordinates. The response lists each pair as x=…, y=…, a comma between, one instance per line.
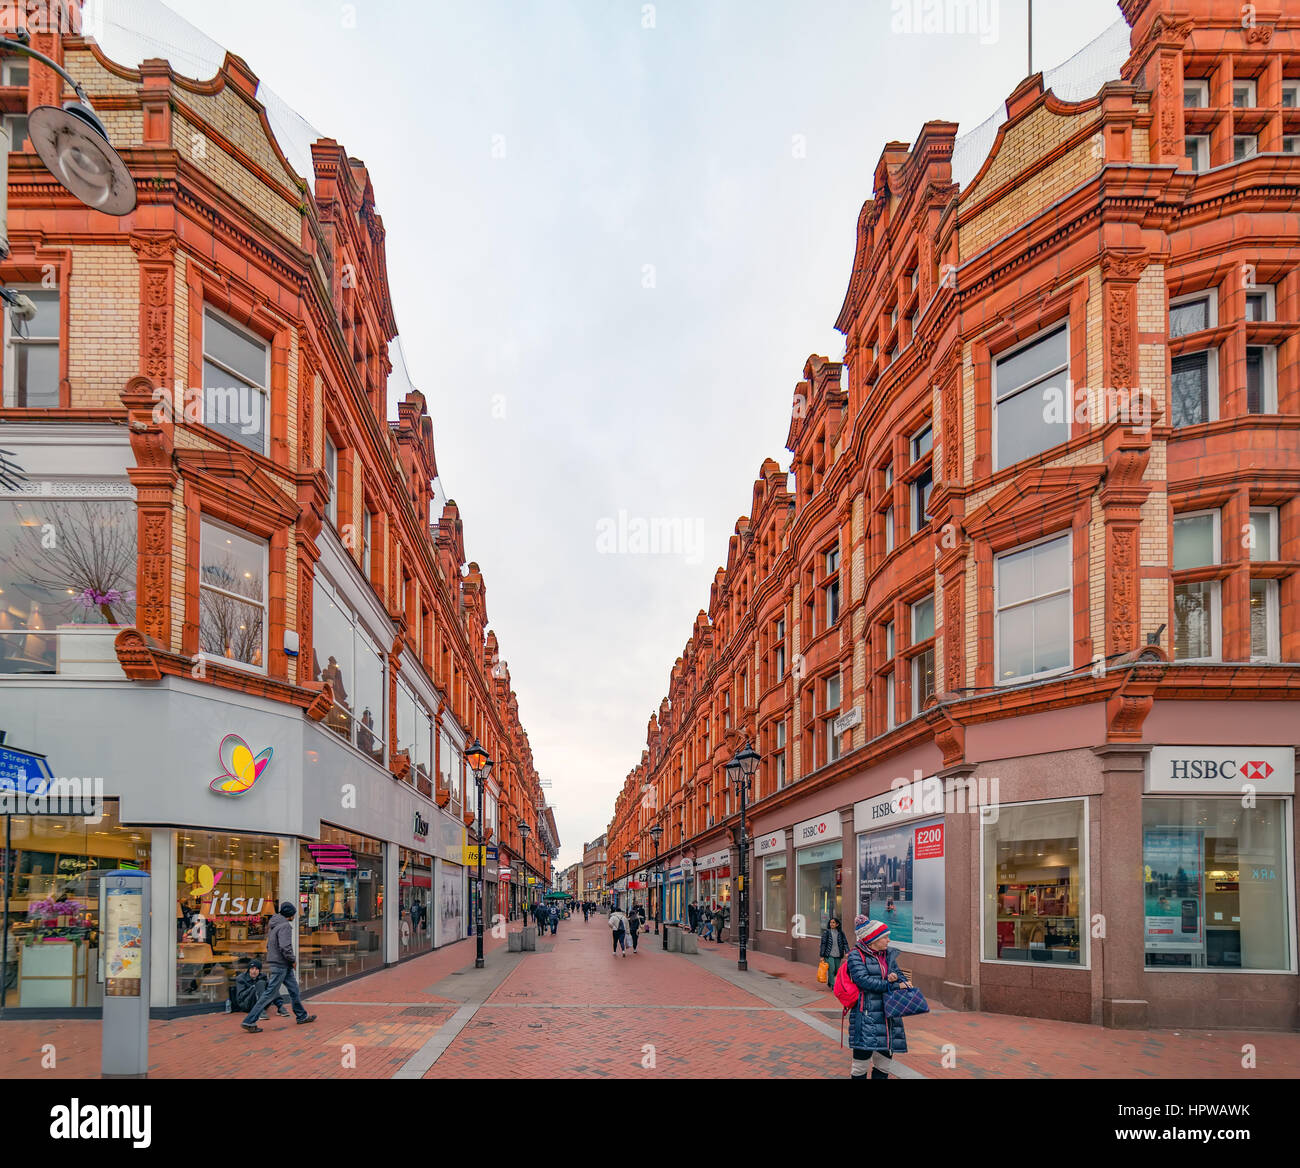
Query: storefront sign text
x=814, y=831
x=771, y=842
x=1224, y=770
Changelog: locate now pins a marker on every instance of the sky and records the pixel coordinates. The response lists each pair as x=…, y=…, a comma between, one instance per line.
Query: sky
x=615, y=233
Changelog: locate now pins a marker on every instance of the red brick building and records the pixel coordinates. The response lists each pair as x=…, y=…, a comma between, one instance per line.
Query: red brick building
x=1018, y=640
x=238, y=545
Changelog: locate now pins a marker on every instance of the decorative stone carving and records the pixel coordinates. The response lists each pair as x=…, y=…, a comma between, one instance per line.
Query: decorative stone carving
x=1122, y=589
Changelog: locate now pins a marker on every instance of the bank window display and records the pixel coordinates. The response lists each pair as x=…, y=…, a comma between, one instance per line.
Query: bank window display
x=415, y=902
x=1034, y=873
x=232, y=595
x=227, y=889
x=344, y=655
x=775, y=894
x=340, y=906
x=901, y=882
x=67, y=583
x=52, y=904
x=1215, y=886
x=818, y=879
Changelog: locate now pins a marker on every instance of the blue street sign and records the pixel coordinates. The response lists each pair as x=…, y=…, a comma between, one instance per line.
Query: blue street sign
x=23, y=773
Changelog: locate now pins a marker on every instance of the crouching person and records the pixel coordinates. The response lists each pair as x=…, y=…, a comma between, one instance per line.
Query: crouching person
x=249, y=986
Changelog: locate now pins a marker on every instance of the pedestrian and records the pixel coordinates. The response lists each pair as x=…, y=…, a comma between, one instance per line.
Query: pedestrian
x=586, y=911
x=618, y=926
x=835, y=947
x=280, y=958
x=873, y=966
x=248, y=987
x=706, y=923
x=634, y=927
x=692, y=915
x=719, y=923
x=554, y=919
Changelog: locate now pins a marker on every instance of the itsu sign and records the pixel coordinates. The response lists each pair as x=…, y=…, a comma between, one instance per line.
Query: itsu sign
x=1221, y=770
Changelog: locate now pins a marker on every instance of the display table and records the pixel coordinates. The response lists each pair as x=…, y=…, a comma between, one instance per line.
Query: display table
x=54, y=973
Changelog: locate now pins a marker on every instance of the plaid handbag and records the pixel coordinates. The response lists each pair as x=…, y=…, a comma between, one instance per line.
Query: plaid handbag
x=903, y=1002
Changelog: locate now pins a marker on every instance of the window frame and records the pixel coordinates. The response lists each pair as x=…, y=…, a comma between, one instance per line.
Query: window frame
x=207, y=310
x=1215, y=585
x=997, y=398
x=1274, y=519
x=1249, y=153
x=1269, y=293
x=1200, y=159
x=1201, y=86
x=1211, y=356
x=1251, y=86
x=1211, y=297
x=265, y=604
x=1293, y=86
x=1268, y=370
x=1273, y=618
x=1068, y=537
x=9, y=393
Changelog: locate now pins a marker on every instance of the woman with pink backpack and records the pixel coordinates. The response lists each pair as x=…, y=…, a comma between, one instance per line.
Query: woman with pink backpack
x=866, y=980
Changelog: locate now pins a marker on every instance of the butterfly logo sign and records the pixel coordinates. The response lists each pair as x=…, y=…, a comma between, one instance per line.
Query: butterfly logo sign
x=243, y=767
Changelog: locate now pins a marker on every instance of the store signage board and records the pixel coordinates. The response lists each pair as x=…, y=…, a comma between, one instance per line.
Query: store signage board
x=773, y=841
x=815, y=831
x=1220, y=770
x=925, y=797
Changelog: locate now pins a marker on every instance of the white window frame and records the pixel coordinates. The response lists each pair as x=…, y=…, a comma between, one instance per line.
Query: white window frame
x=11, y=364
x=1068, y=537
x=1216, y=586
x=1250, y=141
x=911, y=609
x=916, y=679
x=12, y=66
x=11, y=128
x=332, y=476
x=265, y=387
x=780, y=649
x=367, y=534
x=1269, y=369
x=1273, y=520
x=1272, y=613
x=780, y=755
x=826, y=691
x=1269, y=293
x=1291, y=144
x=1211, y=298
x=1085, y=891
x=1292, y=87
x=997, y=398
x=1201, y=87
x=832, y=741
x=889, y=530
x=1217, y=516
x=1251, y=86
x=891, y=714
x=1212, y=385
x=265, y=604
x=889, y=640
x=1200, y=158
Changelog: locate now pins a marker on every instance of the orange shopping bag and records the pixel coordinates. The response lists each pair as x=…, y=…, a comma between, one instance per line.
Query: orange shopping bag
x=823, y=970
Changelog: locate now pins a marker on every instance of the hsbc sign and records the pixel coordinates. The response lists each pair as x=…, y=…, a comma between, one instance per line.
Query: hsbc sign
x=773, y=841
x=815, y=831
x=1221, y=769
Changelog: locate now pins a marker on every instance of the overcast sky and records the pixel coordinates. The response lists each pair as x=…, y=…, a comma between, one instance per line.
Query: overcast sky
x=612, y=247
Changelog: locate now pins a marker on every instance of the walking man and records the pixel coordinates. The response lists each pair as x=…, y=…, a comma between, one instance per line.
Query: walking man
x=618, y=926
x=692, y=915
x=280, y=958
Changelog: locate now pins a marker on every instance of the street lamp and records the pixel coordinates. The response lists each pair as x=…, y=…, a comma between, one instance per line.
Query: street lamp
x=523, y=872
x=627, y=876
x=655, y=833
x=740, y=770
x=480, y=764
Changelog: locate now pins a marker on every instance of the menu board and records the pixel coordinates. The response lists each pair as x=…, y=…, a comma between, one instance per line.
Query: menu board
x=123, y=939
x=1174, y=914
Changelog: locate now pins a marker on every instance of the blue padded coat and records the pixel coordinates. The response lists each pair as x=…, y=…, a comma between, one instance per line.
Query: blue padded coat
x=869, y=1029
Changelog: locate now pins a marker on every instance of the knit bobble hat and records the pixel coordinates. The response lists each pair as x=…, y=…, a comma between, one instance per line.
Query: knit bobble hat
x=865, y=930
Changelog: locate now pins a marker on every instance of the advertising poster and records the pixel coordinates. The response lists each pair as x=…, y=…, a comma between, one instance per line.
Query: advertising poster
x=123, y=939
x=1173, y=885
x=451, y=911
x=901, y=882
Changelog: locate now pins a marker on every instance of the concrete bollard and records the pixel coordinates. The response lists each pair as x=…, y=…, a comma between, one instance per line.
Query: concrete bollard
x=530, y=939
x=514, y=942
x=687, y=943
x=674, y=940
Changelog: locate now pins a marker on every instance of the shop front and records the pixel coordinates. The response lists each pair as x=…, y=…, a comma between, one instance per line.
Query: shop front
x=340, y=906
x=452, y=916
x=771, y=904
x=415, y=902
x=819, y=866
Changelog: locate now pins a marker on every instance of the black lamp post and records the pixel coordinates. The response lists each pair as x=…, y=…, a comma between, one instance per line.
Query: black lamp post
x=741, y=770
x=627, y=877
x=480, y=764
x=655, y=833
x=523, y=874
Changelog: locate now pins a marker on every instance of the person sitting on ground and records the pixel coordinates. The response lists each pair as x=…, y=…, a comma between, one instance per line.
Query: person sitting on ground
x=248, y=987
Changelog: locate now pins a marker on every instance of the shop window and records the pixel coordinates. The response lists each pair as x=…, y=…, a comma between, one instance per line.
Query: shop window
x=415, y=902
x=1244, y=95
x=818, y=879
x=1265, y=631
x=1244, y=146
x=346, y=657
x=227, y=889
x=32, y=358
x=1034, y=875
x=232, y=595
x=775, y=894
x=67, y=583
x=1033, y=610
x=1263, y=534
x=52, y=895
x=1192, y=314
x=1025, y=382
x=1197, y=149
x=1261, y=379
x=1196, y=94
x=340, y=906
x=1215, y=884
x=1261, y=304
x=1194, y=396
x=1197, y=621
x=901, y=881
x=236, y=374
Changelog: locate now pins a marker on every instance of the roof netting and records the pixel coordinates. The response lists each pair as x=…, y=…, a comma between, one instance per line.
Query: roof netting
x=1078, y=78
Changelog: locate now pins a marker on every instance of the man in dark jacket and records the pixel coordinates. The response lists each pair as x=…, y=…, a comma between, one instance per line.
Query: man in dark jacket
x=279, y=956
x=249, y=986
x=692, y=915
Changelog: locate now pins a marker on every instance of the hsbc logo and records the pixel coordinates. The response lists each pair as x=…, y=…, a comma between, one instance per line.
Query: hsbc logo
x=1211, y=768
x=1256, y=772
x=1222, y=769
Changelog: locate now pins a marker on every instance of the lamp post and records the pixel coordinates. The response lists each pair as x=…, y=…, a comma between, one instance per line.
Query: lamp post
x=740, y=770
x=480, y=764
x=523, y=874
x=627, y=876
x=655, y=833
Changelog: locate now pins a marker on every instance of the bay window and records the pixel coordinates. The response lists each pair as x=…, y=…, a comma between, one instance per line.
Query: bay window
x=232, y=594
x=1196, y=602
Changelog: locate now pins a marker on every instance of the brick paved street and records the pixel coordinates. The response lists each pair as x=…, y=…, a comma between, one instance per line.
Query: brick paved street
x=573, y=1010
